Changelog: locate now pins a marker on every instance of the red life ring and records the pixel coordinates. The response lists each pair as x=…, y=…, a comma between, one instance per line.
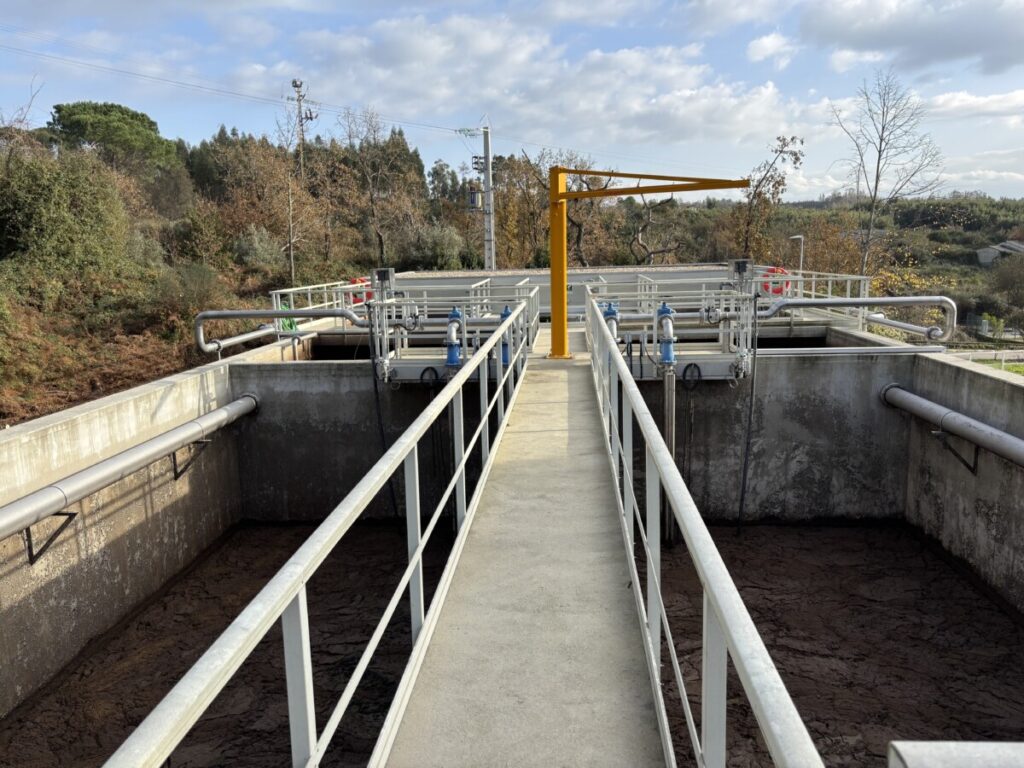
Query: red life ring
x=359, y=298
x=776, y=288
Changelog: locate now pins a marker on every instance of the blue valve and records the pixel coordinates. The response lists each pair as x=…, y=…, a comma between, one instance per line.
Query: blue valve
x=454, y=359
x=666, y=341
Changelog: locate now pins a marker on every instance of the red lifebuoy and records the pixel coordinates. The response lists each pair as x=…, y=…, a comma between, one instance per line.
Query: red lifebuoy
x=775, y=287
x=359, y=298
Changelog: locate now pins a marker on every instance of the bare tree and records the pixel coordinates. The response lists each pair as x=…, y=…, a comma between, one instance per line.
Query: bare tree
x=642, y=249
x=892, y=158
x=762, y=197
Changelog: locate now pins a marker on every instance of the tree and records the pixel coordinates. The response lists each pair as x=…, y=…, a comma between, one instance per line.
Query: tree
x=891, y=157
x=646, y=245
x=127, y=140
x=391, y=181
x=767, y=183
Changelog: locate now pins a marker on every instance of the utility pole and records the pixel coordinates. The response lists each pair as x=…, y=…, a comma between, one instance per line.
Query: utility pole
x=490, y=256
x=482, y=165
x=301, y=118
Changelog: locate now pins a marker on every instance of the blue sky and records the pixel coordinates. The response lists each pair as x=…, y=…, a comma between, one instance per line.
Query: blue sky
x=698, y=87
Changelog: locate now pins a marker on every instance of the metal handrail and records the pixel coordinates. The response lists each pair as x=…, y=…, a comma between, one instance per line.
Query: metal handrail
x=729, y=632
x=284, y=596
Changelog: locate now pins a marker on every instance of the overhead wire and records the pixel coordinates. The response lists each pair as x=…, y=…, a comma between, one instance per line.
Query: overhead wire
x=211, y=87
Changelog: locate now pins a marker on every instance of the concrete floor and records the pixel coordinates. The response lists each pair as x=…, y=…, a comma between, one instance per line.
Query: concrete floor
x=537, y=658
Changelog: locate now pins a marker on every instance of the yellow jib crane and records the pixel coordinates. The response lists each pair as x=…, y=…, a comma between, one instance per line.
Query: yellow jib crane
x=557, y=197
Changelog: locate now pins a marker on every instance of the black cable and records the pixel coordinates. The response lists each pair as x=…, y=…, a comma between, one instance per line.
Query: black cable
x=380, y=414
x=750, y=422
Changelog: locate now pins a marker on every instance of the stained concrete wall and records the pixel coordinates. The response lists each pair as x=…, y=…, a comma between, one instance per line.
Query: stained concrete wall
x=128, y=539
x=316, y=435
x=823, y=444
x=977, y=517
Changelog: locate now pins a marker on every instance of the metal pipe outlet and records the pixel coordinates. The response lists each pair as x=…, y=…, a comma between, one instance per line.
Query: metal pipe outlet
x=264, y=314
x=988, y=437
x=30, y=509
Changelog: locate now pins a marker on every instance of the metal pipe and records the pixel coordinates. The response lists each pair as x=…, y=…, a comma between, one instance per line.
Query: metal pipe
x=988, y=437
x=879, y=318
x=263, y=314
x=30, y=509
x=902, y=349
x=955, y=754
x=935, y=332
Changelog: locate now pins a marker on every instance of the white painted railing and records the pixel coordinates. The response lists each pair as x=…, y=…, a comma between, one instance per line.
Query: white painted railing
x=729, y=633
x=284, y=596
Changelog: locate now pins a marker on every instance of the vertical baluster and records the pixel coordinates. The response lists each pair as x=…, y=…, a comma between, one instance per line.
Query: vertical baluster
x=413, y=533
x=653, y=484
x=715, y=660
x=485, y=431
x=627, y=471
x=459, y=443
x=499, y=388
x=298, y=670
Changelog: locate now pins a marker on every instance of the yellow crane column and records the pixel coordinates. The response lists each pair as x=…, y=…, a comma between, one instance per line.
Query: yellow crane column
x=559, y=264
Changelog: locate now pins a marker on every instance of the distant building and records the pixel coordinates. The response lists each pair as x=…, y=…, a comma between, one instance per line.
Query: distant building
x=988, y=254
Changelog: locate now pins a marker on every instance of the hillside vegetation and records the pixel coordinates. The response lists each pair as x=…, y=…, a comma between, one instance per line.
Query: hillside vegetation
x=112, y=237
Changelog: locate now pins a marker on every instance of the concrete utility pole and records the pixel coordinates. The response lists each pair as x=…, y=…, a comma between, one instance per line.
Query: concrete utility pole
x=301, y=118
x=299, y=130
x=490, y=255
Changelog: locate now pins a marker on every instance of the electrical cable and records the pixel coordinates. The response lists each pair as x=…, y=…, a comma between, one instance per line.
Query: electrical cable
x=750, y=421
x=380, y=414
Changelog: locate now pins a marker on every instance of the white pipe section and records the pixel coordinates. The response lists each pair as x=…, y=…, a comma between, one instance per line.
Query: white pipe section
x=30, y=509
x=988, y=437
x=956, y=754
x=263, y=314
x=935, y=333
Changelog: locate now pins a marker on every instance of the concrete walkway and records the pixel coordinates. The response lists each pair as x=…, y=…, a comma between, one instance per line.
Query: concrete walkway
x=537, y=657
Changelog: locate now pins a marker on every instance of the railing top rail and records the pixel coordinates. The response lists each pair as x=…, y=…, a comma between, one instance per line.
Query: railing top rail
x=168, y=723
x=338, y=284
x=783, y=729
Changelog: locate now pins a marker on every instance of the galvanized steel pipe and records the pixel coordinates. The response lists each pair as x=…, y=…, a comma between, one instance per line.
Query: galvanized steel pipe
x=264, y=314
x=946, y=419
x=30, y=509
x=935, y=333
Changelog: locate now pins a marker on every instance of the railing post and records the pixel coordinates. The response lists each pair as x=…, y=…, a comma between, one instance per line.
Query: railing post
x=298, y=670
x=413, y=532
x=459, y=442
x=653, y=524
x=627, y=471
x=499, y=387
x=485, y=418
x=613, y=409
x=715, y=660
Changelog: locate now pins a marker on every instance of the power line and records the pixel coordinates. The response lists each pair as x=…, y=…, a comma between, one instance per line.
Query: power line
x=339, y=110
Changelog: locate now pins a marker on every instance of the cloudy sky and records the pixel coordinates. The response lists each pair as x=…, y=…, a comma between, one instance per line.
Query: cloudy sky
x=696, y=87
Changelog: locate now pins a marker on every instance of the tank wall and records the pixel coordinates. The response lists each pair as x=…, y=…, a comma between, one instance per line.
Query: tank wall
x=977, y=517
x=317, y=434
x=126, y=540
x=823, y=445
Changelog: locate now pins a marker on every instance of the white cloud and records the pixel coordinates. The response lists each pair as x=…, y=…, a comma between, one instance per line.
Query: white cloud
x=961, y=104
x=921, y=33
x=846, y=59
x=600, y=12
x=774, y=46
x=710, y=16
